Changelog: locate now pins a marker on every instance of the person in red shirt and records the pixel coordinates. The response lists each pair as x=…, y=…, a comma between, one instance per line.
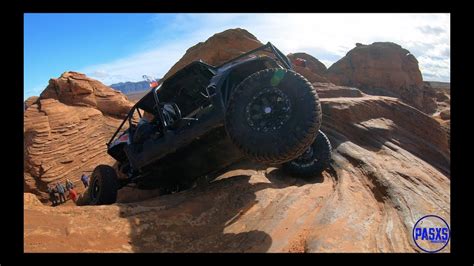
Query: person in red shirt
x=72, y=194
x=299, y=62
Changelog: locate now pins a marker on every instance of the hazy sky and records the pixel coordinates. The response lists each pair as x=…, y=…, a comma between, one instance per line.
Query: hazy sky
x=122, y=47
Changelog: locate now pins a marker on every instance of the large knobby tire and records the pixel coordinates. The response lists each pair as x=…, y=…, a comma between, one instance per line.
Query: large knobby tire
x=313, y=161
x=103, y=185
x=273, y=116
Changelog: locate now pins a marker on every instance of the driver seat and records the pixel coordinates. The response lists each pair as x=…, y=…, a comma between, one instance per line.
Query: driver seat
x=143, y=131
x=171, y=115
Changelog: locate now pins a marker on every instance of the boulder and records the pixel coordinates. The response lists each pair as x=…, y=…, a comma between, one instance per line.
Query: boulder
x=76, y=89
x=445, y=114
x=313, y=70
x=31, y=100
x=218, y=49
x=383, y=68
x=31, y=200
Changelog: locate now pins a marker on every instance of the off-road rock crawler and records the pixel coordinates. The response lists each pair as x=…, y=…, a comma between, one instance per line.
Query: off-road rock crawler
x=203, y=118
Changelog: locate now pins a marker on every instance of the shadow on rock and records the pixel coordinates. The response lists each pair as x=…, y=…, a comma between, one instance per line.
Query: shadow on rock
x=203, y=219
x=196, y=220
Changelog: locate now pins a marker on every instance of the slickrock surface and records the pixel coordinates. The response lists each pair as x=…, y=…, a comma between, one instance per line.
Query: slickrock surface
x=391, y=166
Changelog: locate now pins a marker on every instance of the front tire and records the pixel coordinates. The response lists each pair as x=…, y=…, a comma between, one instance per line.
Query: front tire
x=273, y=116
x=313, y=161
x=103, y=185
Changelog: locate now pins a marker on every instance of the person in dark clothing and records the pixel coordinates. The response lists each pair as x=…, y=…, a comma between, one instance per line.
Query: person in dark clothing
x=52, y=196
x=144, y=130
x=61, y=191
x=85, y=180
x=69, y=184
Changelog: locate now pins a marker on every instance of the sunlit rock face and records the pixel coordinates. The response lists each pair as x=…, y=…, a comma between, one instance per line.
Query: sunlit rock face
x=66, y=129
x=383, y=68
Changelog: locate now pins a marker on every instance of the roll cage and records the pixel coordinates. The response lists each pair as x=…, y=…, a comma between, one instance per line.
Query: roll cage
x=270, y=48
x=148, y=103
x=151, y=103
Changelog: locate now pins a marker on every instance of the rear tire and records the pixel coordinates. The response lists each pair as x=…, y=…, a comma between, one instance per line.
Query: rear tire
x=273, y=116
x=103, y=185
x=313, y=161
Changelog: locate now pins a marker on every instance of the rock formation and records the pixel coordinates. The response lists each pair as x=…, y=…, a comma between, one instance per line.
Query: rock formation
x=445, y=114
x=73, y=88
x=66, y=129
x=329, y=90
x=314, y=70
x=218, y=48
x=391, y=166
x=31, y=100
x=383, y=68
x=388, y=171
x=442, y=97
x=31, y=200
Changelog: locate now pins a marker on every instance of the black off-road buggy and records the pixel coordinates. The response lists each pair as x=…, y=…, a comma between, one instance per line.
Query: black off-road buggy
x=203, y=118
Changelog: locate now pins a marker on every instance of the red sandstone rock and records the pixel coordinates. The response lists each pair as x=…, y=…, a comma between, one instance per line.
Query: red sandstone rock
x=314, y=70
x=383, y=68
x=31, y=100
x=218, y=48
x=391, y=166
x=329, y=90
x=65, y=135
x=74, y=88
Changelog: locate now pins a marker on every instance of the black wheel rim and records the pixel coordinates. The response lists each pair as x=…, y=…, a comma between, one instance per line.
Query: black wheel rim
x=268, y=110
x=309, y=157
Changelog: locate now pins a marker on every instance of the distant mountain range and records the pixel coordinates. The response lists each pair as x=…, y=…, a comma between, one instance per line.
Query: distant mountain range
x=440, y=84
x=131, y=87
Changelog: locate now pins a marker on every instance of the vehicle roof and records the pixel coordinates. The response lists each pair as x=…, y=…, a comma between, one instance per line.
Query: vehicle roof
x=147, y=102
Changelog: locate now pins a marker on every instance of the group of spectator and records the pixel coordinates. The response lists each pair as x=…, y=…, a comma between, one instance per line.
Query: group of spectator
x=57, y=191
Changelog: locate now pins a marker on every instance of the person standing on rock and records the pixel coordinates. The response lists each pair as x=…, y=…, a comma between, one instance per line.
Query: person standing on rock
x=85, y=180
x=52, y=196
x=61, y=191
x=69, y=184
x=72, y=194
